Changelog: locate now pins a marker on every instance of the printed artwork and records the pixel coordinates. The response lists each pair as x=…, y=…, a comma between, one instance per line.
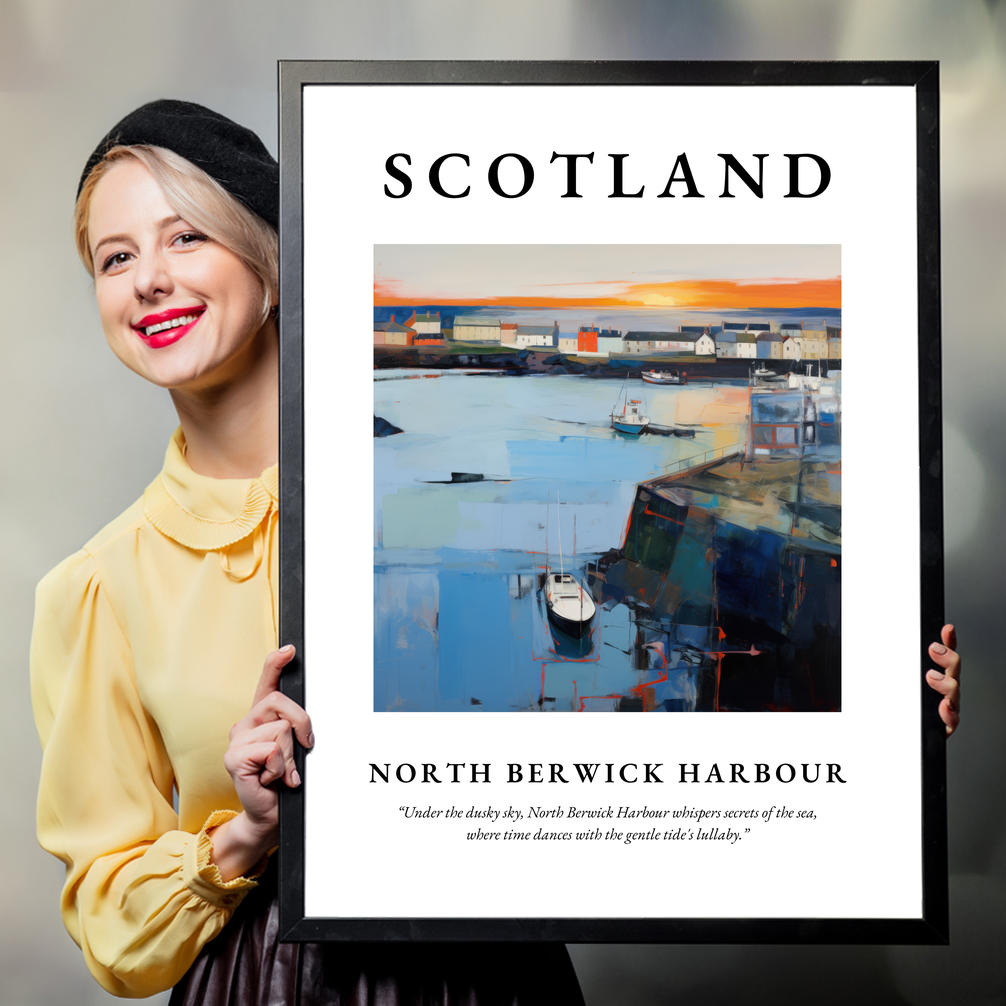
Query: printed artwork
x=607, y=478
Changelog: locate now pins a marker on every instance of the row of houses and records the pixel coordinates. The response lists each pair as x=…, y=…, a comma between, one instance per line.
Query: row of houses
x=789, y=341
x=419, y=330
x=728, y=340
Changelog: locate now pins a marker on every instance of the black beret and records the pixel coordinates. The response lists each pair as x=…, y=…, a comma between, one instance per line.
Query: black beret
x=230, y=154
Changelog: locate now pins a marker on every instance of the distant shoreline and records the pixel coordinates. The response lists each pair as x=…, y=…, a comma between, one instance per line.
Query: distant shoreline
x=517, y=362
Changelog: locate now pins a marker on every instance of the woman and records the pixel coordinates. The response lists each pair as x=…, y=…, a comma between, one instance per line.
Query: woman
x=148, y=647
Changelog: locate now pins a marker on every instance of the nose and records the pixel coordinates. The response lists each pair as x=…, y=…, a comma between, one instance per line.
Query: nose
x=152, y=276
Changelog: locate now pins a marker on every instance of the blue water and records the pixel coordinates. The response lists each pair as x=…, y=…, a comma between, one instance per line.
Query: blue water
x=458, y=622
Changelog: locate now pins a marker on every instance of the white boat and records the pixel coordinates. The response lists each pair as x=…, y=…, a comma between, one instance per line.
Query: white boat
x=663, y=377
x=630, y=420
x=568, y=603
x=570, y=606
x=763, y=374
x=808, y=380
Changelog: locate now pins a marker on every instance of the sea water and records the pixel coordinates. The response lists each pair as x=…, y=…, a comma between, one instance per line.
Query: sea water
x=471, y=502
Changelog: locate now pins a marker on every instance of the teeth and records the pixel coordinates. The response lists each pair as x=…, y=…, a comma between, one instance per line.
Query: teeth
x=173, y=323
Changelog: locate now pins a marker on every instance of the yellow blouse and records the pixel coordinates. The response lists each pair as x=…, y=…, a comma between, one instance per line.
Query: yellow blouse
x=147, y=647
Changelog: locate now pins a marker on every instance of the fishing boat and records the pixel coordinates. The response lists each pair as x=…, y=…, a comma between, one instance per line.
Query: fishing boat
x=630, y=420
x=663, y=377
x=568, y=603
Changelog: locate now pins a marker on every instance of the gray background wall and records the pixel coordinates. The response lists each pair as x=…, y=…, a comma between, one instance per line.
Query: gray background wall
x=82, y=436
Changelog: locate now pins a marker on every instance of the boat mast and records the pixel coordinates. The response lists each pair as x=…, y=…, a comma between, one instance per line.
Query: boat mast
x=579, y=586
x=623, y=394
x=558, y=524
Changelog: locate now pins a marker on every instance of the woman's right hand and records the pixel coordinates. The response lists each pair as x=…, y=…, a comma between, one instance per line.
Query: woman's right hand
x=259, y=754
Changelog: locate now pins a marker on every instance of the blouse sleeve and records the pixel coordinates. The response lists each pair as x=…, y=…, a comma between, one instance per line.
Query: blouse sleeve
x=141, y=898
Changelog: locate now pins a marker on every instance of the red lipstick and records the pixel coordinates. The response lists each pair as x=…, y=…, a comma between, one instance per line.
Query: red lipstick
x=165, y=327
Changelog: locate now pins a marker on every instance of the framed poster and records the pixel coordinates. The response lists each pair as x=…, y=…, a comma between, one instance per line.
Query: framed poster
x=596, y=312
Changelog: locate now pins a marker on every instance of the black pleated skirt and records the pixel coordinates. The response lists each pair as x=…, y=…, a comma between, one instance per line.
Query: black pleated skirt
x=246, y=965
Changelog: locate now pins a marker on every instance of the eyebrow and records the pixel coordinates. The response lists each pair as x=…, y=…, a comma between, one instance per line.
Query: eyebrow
x=111, y=238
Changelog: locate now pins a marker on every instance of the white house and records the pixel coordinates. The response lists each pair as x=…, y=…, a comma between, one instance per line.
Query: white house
x=747, y=346
x=427, y=324
x=536, y=335
x=666, y=342
x=792, y=348
x=703, y=344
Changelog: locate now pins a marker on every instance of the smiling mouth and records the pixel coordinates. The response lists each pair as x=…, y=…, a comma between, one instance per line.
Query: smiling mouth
x=165, y=325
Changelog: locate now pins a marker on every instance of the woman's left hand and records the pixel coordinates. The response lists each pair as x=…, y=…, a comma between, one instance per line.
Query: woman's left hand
x=948, y=681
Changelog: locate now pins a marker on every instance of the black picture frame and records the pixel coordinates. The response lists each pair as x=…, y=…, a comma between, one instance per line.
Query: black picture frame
x=932, y=925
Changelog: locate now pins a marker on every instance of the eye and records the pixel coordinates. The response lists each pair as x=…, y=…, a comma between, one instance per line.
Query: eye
x=189, y=239
x=115, y=261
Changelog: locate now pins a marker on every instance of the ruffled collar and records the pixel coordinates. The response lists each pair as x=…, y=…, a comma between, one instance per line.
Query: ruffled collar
x=203, y=513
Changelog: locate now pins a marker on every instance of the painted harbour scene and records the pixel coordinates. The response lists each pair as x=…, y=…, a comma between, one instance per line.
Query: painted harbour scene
x=607, y=478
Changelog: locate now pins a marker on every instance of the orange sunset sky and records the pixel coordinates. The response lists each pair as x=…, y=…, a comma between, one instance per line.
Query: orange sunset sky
x=610, y=276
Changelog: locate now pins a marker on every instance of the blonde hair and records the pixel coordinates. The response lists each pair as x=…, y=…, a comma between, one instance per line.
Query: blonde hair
x=199, y=200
